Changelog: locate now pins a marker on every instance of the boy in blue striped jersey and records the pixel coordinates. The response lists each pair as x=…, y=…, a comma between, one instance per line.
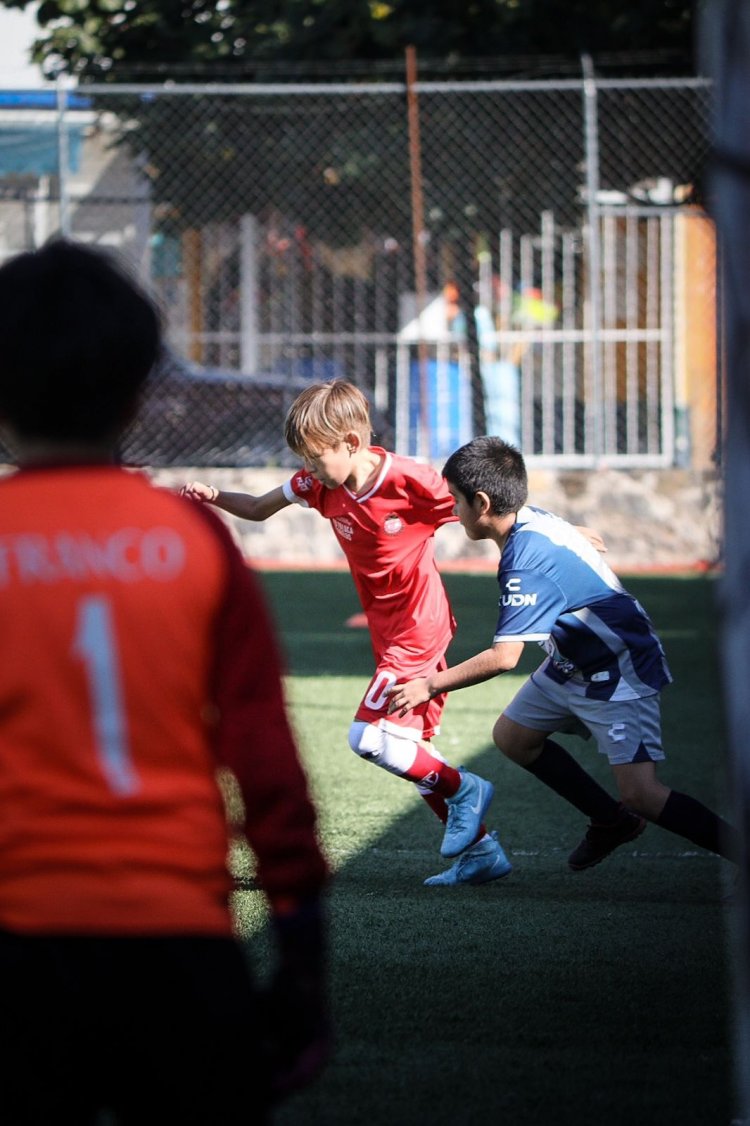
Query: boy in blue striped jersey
x=604, y=670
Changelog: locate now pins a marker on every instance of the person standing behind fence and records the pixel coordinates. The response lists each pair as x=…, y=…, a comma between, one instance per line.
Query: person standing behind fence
x=138, y=660
x=384, y=510
x=604, y=671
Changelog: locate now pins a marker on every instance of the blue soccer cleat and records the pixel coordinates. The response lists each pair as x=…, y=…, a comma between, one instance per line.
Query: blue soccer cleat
x=481, y=863
x=466, y=810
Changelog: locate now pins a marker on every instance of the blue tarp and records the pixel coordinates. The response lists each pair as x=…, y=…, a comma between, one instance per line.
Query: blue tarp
x=41, y=99
x=33, y=149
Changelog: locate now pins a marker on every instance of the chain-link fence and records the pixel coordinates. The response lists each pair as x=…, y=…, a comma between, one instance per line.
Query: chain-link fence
x=511, y=257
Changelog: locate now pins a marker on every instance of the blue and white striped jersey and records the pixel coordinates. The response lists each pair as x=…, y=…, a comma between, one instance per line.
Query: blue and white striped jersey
x=556, y=589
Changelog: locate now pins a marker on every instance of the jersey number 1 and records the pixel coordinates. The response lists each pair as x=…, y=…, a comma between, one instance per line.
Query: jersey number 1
x=95, y=643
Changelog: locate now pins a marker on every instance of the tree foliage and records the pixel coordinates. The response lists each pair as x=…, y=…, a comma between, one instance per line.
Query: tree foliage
x=117, y=39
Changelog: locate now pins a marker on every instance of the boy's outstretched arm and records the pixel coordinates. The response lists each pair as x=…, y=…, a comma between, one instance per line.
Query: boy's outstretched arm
x=502, y=657
x=244, y=505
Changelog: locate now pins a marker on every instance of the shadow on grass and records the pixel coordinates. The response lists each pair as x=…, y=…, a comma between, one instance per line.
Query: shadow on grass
x=548, y=998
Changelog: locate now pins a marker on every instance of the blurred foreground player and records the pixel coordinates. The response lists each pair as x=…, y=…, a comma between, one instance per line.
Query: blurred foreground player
x=137, y=662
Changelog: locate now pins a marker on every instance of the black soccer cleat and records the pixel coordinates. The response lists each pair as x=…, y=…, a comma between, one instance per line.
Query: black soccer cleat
x=600, y=840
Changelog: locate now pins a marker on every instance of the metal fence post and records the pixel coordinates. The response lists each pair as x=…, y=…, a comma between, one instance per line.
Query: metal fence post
x=249, y=294
x=591, y=236
x=418, y=250
x=63, y=156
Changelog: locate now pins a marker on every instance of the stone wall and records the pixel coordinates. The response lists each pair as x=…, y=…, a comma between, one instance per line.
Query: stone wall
x=650, y=519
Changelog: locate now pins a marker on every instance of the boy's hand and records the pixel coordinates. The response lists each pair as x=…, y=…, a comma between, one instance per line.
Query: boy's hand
x=592, y=536
x=404, y=697
x=196, y=490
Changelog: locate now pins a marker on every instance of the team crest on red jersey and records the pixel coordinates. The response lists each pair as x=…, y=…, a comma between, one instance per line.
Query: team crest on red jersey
x=393, y=524
x=343, y=527
x=304, y=483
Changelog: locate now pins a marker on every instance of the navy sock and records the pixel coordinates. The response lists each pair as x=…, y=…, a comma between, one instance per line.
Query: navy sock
x=694, y=821
x=560, y=771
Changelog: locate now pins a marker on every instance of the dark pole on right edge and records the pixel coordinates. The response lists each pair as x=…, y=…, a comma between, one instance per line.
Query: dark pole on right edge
x=725, y=42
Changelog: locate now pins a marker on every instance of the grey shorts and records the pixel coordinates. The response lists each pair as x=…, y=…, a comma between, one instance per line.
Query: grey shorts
x=625, y=730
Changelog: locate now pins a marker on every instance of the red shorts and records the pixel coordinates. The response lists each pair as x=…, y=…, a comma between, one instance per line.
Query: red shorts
x=424, y=721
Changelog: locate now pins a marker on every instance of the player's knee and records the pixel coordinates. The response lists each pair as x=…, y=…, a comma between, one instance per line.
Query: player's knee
x=366, y=740
x=520, y=745
x=502, y=738
x=392, y=750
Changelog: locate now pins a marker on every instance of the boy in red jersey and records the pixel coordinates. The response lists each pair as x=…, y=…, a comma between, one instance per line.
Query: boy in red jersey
x=139, y=661
x=384, y=510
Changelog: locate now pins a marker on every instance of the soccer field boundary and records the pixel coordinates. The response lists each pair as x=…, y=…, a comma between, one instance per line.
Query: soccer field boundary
x=486, y=566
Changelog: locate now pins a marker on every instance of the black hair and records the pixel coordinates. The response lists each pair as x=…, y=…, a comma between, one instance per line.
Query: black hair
x=78, y=337
x=489, y=465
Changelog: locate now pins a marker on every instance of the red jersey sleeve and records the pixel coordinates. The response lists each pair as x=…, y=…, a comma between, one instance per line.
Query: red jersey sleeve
x=254, y=739
x=303, y=489
x=430, y=499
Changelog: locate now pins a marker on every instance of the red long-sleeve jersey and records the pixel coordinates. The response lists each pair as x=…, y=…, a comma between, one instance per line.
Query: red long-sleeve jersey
x=387, y=535
x=137, y=658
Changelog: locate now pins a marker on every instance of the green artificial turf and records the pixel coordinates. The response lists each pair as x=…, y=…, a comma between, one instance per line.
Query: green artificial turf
x=549, y=998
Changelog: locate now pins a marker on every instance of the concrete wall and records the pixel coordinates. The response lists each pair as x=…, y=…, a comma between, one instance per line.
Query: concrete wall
x=650, y=519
